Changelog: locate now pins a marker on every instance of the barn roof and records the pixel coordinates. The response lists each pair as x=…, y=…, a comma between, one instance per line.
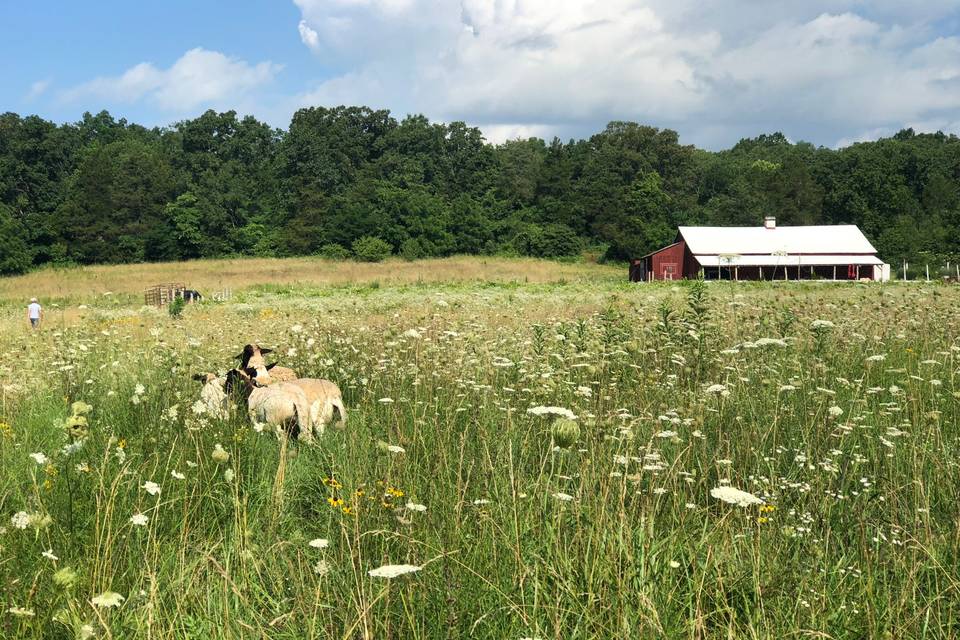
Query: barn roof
x=786, y=261
x=823, y=239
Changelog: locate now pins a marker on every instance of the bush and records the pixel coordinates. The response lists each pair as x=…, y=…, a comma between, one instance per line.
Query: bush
x=176, y=307
x=334, y=251
x=412, y=249
x=371, y=249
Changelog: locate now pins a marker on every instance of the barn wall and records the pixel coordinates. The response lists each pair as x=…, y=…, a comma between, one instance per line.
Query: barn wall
x=668, y=263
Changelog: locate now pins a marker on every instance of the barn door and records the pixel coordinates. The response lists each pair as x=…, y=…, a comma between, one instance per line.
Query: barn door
x=669, y=270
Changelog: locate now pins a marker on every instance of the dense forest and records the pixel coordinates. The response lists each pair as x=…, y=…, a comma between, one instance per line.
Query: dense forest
x=103, y=190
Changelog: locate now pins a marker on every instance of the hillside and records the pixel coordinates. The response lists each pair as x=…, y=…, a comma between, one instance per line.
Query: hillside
x=103, y=190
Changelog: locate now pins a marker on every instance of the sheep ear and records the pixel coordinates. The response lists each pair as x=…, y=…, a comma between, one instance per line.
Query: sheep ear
x=199, y=376
x=271, y=366
x=239, y=356
x=264, y=351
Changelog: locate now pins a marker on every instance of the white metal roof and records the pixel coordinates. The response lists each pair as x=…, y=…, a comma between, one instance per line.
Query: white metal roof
x=725, y=260
x=825, y=239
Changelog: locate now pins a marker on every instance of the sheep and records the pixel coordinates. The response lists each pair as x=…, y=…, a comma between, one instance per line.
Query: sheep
x=280, y=404
x=212, y=396
x=280, y=374
x=252, y=358
x=323, y=396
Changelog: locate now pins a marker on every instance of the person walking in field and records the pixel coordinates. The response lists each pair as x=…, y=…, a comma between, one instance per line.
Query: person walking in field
x=34, y=313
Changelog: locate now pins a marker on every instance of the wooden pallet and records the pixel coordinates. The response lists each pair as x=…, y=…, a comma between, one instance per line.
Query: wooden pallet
x=161, y=294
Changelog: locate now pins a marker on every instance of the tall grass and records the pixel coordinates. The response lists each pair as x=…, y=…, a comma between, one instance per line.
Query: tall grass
x=212, y=277
x=847, y=430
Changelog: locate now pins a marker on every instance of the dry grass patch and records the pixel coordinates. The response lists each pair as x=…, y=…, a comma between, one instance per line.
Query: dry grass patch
x=209, y=276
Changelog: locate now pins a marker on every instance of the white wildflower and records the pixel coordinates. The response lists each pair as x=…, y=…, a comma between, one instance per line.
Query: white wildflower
x=413, y=506
x=735, y=496
x=107, y=599
x=219, y=454
x=39, y=458
x=319, y=543
x=563, y=497
x=392, y=570
x=139, y=520
x=20, y=520
x=151, y=487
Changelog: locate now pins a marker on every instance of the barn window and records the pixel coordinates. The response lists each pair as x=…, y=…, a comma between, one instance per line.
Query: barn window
x=669, y=270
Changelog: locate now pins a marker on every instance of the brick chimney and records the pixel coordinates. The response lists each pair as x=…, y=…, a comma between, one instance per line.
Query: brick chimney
x=769, y=222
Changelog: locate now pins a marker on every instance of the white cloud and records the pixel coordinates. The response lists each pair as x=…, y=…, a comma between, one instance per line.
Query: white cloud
x=198, y=78
x=308, y=36
x=821, y=70
x=37, y=89
x=499, y=133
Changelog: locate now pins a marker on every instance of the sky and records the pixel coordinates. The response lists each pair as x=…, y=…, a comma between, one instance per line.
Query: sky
x=830, y=72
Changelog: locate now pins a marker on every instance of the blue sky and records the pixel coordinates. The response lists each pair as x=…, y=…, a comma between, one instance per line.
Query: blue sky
x=828, y=71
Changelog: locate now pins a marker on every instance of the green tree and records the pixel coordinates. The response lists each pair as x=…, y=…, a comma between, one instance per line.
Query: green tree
x=14, y=252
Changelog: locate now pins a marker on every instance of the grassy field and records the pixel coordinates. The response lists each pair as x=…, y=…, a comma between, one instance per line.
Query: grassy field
x=831, y=408
x=127, y=282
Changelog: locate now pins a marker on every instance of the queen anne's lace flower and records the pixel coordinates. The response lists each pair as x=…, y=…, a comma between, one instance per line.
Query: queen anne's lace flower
x=735, y=496
x=393, y=570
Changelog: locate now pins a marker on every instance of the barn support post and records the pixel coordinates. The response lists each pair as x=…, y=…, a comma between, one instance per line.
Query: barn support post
x=858, y=273
x=928, y=272
x=736, y=273
x=834, y=272
x=761, y=273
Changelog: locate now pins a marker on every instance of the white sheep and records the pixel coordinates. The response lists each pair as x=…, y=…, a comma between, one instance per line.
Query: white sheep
x=212, y=396
x=324, y=398
x=280, y=405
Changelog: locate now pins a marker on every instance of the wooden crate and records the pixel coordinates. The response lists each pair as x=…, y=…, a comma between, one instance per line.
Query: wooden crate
x=161, y=294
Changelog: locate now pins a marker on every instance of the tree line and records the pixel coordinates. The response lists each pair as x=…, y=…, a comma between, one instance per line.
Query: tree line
x=357, y=181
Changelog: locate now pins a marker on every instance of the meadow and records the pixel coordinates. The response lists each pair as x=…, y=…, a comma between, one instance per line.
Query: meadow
x=746, y=461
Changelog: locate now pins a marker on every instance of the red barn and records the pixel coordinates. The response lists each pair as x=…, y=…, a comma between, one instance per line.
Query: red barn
x=827, y=252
